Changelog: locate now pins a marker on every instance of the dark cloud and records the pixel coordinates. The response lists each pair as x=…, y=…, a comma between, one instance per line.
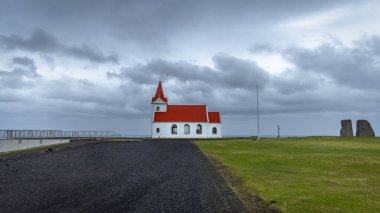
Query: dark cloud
x=370, y=45
x=357, y=66
x=291, y=82
x=23, y=69
x=86, y=52
x=229, y=72
x=26, y=62
x=317, y=83
x=39, y=41
x=43, y=42
x=154, y=26
x=238, y=73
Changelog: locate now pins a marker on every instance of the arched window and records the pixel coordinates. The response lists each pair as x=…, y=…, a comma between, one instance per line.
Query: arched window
x=158, y=109
x=187, y=129
x=199, y=129
x=174, y=129
x=158, y=130
x=214, y=131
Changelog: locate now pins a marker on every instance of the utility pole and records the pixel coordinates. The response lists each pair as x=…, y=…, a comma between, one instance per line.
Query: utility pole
x=257, y=112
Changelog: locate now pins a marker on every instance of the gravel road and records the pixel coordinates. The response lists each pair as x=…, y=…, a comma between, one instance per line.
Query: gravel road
x=147, y=176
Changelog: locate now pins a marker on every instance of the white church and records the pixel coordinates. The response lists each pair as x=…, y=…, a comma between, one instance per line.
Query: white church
x=183, y=121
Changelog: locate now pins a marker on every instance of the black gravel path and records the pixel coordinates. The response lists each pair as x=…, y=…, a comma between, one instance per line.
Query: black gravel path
x=148, y=176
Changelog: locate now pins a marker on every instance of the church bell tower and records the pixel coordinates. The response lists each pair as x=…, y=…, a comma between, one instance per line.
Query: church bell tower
x=159, y=102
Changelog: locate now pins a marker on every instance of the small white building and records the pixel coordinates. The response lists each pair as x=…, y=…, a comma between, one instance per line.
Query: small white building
x=182, y=121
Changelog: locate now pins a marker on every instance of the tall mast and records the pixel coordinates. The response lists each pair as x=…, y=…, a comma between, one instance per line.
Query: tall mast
x=257, y=112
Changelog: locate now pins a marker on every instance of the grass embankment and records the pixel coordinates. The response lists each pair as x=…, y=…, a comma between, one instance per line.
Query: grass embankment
x=311, y=174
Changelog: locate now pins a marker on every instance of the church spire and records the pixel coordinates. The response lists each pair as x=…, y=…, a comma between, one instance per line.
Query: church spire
x=159, y=94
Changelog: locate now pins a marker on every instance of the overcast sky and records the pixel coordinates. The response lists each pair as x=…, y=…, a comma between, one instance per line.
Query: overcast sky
x=94, y=65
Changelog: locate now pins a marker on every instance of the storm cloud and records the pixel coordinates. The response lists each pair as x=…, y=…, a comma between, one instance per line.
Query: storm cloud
x=223, y=75
x=23, y=69
x=43, y=42
x=357, y=66
x=316, y=83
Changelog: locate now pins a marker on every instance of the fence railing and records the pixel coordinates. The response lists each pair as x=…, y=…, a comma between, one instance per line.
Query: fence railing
x=57, y=134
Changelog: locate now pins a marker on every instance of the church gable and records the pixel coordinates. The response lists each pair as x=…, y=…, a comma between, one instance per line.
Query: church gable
x=214, y=117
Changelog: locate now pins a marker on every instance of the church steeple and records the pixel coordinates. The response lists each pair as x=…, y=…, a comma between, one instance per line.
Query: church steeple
x=159, y=94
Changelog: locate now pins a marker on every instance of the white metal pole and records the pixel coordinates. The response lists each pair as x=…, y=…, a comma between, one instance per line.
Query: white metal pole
x=257, y=112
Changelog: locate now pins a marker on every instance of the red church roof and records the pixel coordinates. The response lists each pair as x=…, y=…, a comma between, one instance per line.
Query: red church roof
x=159, y=94
x=182, y=113
x=213, y=117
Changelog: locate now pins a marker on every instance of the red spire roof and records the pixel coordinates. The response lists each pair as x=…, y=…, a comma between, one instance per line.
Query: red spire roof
x=159, y=94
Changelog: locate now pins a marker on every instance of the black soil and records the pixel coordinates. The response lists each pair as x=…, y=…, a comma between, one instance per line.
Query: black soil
x=148, y=176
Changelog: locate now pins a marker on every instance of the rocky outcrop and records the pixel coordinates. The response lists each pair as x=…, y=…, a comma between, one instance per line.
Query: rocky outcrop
x=346, y=130
x=364, y=129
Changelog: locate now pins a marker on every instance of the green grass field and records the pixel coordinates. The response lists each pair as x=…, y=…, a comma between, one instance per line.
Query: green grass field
x=310, y=174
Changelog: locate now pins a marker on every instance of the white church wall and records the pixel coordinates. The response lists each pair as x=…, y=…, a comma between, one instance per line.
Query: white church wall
x=218, y=127
x=166, y=130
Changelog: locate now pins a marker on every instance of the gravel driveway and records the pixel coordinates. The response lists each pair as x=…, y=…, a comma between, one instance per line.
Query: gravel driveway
x=148, y=176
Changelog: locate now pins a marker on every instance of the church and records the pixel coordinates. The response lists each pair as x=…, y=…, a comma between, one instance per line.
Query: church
x=182, y=121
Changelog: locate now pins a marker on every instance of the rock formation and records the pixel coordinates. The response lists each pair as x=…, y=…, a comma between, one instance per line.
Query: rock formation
x=346, y=130
x=364, y=129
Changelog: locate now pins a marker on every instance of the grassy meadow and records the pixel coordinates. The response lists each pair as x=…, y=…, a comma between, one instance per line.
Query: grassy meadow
x=309, y=174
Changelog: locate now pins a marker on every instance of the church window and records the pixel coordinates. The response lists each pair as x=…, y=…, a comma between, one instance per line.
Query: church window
x=174, y=129
x=158, y=130
x=214, y=131
x=158, y=109
x=187, y=129
x=199, y=129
